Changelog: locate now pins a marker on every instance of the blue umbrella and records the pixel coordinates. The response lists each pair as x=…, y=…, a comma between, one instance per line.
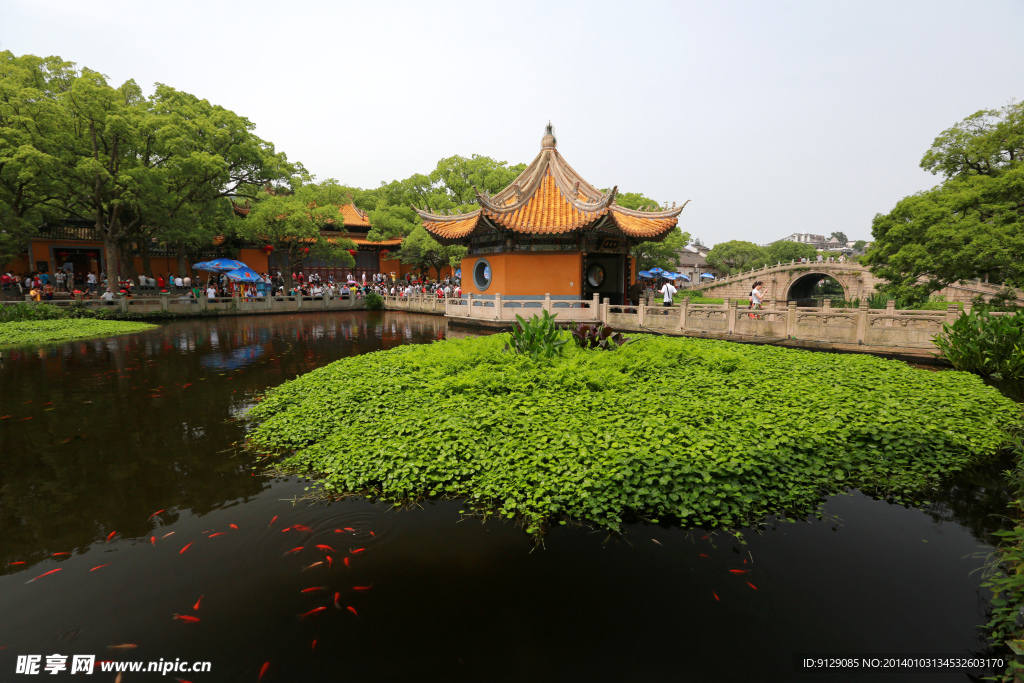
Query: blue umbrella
x=656, y=271
x=244, y=274
x=645, y=274
x=707, y=275
x=220, y=265
x=458, y=273
x=683, y=277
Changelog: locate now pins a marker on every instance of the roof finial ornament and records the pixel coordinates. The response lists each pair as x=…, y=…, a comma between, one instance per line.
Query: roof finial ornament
x=548, y=141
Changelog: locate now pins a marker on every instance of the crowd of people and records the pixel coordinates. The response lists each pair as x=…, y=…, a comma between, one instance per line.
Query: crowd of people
x=44, y=286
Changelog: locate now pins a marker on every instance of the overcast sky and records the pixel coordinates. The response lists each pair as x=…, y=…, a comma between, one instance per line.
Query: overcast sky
x=771, y=117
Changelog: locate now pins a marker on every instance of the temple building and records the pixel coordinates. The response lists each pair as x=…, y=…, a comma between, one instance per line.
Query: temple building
x=549, y=232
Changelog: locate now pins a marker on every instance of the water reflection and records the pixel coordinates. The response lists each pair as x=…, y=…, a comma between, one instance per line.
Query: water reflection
x=100, y=431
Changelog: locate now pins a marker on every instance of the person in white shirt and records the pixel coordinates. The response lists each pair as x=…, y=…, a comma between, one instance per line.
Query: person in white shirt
x=211, y=292
x=108, y=295
x=178, y=282
x=91, y=281
x=187, y=281
x=668, y=291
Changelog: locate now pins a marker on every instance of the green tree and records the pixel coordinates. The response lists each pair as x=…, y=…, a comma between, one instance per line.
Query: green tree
x=736, y=256
x=785, y=251
x=422, y=250
x=291, y=224
x=969, y=226
x=859, y=245
x=841, y=236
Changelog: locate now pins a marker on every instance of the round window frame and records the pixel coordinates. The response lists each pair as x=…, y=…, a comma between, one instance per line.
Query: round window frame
x=478, y=274
x=592, y=271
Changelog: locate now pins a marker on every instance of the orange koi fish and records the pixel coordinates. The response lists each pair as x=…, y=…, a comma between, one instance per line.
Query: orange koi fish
x=123, y=646
x=182, y=551
x=716, y=595
x=329, y=561
x=263, y=670
x=314, y=645
x=293, y=550
x=99, y=567
x=268, y=526
x=356, y=551
x=337, y=596
x=703, y=555
x=59, y=554
x=312, y=611
x=739, y=571
x=234, y=526
x=751, y=585
x=656, y=541
x=361, y=588
x=219, y=533
x=166, y=535
x=346, y=562
x=301, y=527
x=46, y=574
x=11, y=564
x=326, y=548
x=188, y=618
x=372, y=534
x=196, y=606
x=314, y=589
x=315, y=564
x=157, y=513
x=352, y=609
x=112, y=534
x=152, y=539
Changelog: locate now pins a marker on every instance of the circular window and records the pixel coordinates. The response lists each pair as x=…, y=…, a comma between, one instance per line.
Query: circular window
x=482, y=274
x=595, y=275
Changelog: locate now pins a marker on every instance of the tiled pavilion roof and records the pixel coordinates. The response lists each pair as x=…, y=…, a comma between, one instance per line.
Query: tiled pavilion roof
x=549, y=197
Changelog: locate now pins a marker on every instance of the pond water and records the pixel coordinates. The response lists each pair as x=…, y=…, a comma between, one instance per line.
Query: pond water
x=97, y=436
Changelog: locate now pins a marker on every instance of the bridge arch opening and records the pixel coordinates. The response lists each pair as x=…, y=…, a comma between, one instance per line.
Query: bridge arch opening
x=813, y=287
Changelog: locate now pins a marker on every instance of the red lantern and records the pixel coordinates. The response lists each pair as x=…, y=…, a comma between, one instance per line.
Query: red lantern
x=305, y=250
x=352, y=252
x=384, y=253
x=268, y=248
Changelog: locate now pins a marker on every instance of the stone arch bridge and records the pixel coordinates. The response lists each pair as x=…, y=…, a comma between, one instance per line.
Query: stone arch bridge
x=795, y=280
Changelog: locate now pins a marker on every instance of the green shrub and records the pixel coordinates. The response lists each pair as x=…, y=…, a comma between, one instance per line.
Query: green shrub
x=987, y=345
x=704, y=432
x=538, y=337
x=29, y=311
x=63, y=329
x=374, y=302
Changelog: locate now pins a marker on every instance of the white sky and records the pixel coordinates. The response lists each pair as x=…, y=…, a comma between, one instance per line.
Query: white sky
x=772, y=117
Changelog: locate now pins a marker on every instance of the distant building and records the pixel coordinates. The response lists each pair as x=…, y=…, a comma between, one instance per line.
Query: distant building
x=692, y=262
x=816, y=241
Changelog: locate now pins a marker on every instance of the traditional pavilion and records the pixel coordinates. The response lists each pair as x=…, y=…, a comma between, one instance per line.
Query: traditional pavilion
x=549, y=232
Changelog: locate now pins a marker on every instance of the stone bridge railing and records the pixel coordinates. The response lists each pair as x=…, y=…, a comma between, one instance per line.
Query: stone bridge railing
x=224, y=305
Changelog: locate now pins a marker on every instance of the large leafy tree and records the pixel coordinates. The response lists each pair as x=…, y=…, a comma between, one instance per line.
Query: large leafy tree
x=291, y=223
x=784, y=251
x=972, y=224
x=30, y=121
x=422, y=250
x=737, y=255
x=141, y=168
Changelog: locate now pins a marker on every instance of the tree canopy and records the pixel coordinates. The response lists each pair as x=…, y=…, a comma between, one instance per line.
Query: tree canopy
x=969, y=226
x=141, y=168
x=736, y=256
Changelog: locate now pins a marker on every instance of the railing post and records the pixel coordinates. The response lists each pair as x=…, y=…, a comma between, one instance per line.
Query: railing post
x=791, y=320
x=862, y=322
x=124, y=304
x=597, y=307
x=890, y=309
x=640, y=312
x=683, y=309
x=604, y=311
x=731, y=309
x=952, y=313
x=165, y=301
x=826, y=305
x=547, y=303
x=469, y=305
x=497, y=307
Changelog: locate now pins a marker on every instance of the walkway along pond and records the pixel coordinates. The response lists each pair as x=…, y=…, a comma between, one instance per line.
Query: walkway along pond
x=119, y=453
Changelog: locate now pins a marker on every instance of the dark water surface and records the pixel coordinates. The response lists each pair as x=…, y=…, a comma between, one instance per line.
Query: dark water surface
x=102, y=434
